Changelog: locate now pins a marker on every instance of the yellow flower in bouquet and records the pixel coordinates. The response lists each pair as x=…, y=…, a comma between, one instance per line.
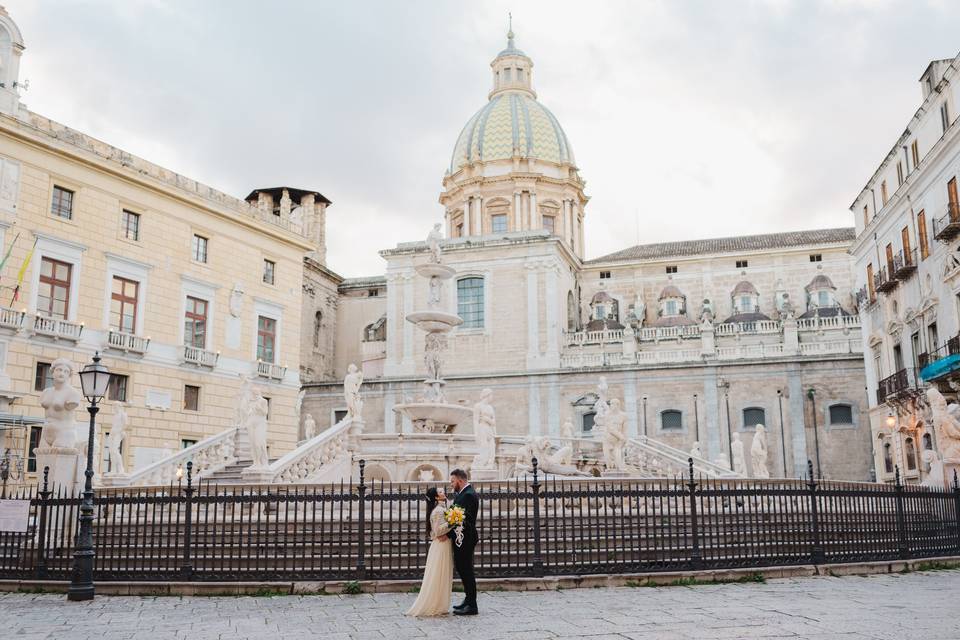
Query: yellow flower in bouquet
x=454, y=516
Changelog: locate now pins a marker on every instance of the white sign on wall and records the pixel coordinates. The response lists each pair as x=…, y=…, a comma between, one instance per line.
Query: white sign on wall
x=14, y=515
x=158, y=399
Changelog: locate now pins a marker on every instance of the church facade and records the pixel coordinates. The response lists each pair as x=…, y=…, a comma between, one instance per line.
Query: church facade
x=700, y=340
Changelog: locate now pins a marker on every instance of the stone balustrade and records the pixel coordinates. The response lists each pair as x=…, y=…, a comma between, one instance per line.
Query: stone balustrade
x=327, y=451
x=755, y=327
x=57, y=329
x=270, y=370
x=127, y=342
x=836, y=322
x=656, y=334
x=208, y=457
x=200, y=357
x=11, y=318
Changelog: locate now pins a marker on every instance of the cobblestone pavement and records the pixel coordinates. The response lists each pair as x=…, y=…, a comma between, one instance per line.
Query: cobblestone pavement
x=895, y=607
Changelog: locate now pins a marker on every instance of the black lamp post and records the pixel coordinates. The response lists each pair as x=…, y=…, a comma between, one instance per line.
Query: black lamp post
x=93, y=380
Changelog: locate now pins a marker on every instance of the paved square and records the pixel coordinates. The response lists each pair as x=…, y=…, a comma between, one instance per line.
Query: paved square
x=888, y=607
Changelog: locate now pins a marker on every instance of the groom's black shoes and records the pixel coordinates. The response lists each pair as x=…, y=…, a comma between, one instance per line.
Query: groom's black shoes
x=469, y=610
x=462, y=605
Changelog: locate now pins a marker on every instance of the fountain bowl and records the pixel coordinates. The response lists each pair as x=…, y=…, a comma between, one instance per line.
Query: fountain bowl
x=435, y=417
x=435, y=321
x=433, y=269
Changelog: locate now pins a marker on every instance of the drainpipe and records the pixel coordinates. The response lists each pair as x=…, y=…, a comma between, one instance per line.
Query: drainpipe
x=644, y=416
x=726, y=398
x=696, y=419
x=783, y=439
x=816, y=432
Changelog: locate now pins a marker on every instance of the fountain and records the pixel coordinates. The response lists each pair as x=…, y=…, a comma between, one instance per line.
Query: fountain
x=432, y=413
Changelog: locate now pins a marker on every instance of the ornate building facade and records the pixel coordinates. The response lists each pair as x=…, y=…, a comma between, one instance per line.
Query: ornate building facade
x=701, y=340
x=908, y=273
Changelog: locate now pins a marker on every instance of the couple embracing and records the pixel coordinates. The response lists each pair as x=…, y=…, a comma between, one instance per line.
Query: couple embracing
x=451, y=545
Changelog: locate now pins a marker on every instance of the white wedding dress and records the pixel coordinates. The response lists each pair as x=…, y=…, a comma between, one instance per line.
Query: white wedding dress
x=437, y=585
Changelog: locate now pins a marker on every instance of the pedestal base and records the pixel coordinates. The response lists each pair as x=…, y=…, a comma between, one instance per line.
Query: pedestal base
x=948, y=472
x=257, y=475
x=486, y=474
x=66, y=466
x=115, y=480
x=614, y=473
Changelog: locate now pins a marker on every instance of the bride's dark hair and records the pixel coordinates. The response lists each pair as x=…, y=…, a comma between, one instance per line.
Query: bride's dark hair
x=431, y=497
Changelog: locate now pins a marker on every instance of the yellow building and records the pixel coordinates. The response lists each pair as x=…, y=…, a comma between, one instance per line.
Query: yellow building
x=182, y=288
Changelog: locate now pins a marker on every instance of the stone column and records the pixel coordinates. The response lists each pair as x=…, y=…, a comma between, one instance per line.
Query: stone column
x=467, y=215
x=533, y=314
x=534, y=213
x=479, y=216
x=517, y=212
x=791, y=337
x=533, y=406
x=566, y=221
x=708, y=341
x=579, y=226
x=710, y=436
x=630, y=396
x=797, y=429
x=552, y=300
x=553, y=406
x=389, y=415
x=391, y=366
x=408, y=293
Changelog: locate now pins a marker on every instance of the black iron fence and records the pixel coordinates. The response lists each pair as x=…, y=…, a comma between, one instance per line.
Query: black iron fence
x=528, y=527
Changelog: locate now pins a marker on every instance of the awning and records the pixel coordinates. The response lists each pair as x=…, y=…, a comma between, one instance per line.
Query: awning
x=940, y=368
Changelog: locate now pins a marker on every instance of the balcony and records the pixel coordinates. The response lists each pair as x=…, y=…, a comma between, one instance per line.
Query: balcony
x=904, y=265
x=11, y=319
x=941, y=361
x=902, y=383
x=57, y=329
x=947, y=227
x=865, y=298
x=200, y=357
x=127, y=342
x=882, y=281
x=270, y=370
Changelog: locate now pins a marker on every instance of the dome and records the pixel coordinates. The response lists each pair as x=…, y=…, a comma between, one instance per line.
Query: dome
x=744, y=287
x=512, y=123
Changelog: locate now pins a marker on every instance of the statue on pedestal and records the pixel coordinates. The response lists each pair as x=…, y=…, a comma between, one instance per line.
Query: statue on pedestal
x=351, y=392
x=695, y=451
x=434, y=344
x=936, y=478
x=614, y=437
x=118, y=432
x=59, y=403
x=566, y=429
x=434, y=292
x=485, y=432
x=433, y=243
x=946, y=425
x=758, y=453
x=739, y=461
x=309, y=427
x=253, y=409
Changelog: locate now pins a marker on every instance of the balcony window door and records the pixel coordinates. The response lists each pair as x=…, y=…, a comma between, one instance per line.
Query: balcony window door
x=922, y=235
x=905, y=238
x=53, y=295
x=933, y=338
x=123, y=305
x=266, y=339
x=897, y=357
x=954, y=204
x=871, y=285
x=915, y=345
x=889, y=252
x=195, y=323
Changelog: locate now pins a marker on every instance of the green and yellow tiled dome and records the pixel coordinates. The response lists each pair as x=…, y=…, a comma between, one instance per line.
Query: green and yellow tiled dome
x=512, y=123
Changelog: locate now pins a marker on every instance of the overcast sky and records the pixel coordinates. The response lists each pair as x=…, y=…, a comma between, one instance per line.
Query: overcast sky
x=688, y=119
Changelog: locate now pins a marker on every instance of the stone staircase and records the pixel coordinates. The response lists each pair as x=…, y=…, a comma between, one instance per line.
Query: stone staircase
x=232, y=473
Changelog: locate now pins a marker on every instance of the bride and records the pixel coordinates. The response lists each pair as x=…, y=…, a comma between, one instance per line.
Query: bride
x=437, y=585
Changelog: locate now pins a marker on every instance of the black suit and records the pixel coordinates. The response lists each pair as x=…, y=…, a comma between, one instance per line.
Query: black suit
x=463, y=555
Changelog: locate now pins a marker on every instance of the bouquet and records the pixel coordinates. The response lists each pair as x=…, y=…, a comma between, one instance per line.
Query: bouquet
x=455, y=516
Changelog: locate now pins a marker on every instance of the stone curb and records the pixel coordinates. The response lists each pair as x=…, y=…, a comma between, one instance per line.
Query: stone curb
x=553, y=583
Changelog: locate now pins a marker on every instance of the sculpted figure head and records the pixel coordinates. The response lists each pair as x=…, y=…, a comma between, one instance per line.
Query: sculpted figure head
x=61, y=369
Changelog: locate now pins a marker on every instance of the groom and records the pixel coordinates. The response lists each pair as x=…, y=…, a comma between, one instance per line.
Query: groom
x=467, y=498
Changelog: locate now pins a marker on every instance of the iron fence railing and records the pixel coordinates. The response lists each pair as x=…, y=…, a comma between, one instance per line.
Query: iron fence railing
x=532, y=526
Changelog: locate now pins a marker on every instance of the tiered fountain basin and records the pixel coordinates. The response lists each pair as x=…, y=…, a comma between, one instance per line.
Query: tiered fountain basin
x=435, y=270
x=435, y=417
x=435, y=321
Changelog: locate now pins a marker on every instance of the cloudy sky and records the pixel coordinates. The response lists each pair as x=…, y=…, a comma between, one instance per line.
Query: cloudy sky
x=688, y=119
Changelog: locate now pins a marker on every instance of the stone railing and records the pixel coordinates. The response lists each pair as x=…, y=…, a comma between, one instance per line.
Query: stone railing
x=836, y=322
x=270, y=370
x=127, y=342
x=655, y=334
x=603, y=336
x=756, y=327
x=11, y=318
x=742, y=351
x=830, y=347
x=57, y=329
x=315, y=456
x=208, y=456
x=673, y=355
x=675, y=460
x=200, y=357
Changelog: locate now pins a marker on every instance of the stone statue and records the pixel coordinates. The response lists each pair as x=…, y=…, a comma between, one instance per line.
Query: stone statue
x=255, y=422
x=434, y=344
x=739, y=462
x=485, y=432
x=601, y=406
x=426, y=475
x=695, y=451
x=946, y=426
x=435, y=292
x=936, y=478
x=433, y=243
x=614, y=437
x=547, y=462
x=298, y=407
x=566, y=429
x=59, y=403
x=309, y=427
x=118, y=432
x=706, y=311
x=351, y=392
x=236, y=300
x=758, y=453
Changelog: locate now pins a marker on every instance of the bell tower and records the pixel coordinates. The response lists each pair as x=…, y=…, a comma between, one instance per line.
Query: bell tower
x=11, y=48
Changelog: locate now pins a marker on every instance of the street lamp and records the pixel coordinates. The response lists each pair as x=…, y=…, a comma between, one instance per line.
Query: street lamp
x=891, y=420
x=93, y=380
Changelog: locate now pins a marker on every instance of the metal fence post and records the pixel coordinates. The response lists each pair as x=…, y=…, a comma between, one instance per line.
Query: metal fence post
x=40, y=571
x=186, y=569
x=956, y=507
x=901, y=517
x=817, y=555
x=537, y=557
x=361, y=527
x=696, y=557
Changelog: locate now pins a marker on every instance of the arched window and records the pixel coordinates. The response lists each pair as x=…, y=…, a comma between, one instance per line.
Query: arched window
x=586, y=424
x=887, y=458
x=470, y=302
x=572, y=312
x=671, y=420
x=841, y=414
x=910, y=453
x=927, y=442
x=752, y=416
x=317, y=326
